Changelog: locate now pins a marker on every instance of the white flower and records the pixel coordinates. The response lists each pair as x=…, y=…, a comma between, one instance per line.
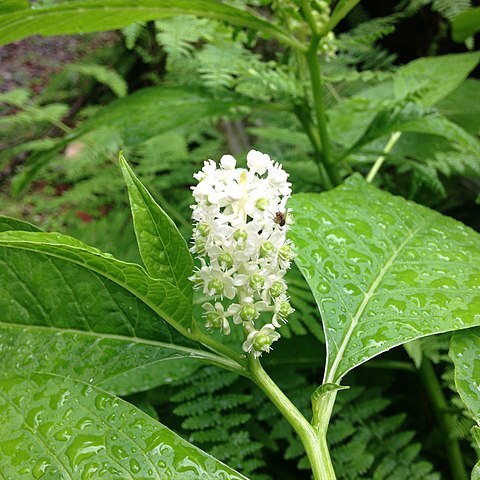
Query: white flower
x=259, y=341
x=242, y=246
x=216, y=317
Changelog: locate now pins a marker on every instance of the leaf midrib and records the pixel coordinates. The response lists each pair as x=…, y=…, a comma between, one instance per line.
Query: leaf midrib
x=330, y=376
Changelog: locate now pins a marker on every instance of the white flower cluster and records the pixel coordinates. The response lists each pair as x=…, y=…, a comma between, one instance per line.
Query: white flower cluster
x=240, y=239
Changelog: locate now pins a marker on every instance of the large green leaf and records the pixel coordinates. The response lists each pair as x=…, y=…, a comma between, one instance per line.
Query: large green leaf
x=58, y=428
x=465, y=353
x=161, y=296
x=62, y=318
x=117, y=363
x=383, y=271
x=70, y=17
x=162, y=247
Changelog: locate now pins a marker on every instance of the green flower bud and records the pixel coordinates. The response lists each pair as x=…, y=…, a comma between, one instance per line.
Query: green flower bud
x=256, y=282
x=200, y=246
x=266, y=250
x=240, y=236
x=216, y=285
x=262, y=204
x=225, y=260
x=203, y=229
x=285, y=309
x=276, y=289
x=262, y=342
x=214, y=320
x=285, y=252
x=248, y=313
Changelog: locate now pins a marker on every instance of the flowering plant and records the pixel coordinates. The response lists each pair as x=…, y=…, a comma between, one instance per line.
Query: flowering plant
x=240, y=239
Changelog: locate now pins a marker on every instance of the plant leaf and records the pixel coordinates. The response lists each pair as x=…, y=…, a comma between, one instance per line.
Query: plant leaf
x=154, y=110
x=56, y=427
x=117, y=363
x=162, y=247
x=70, y=17
x=465, y=354
x=432, y=78
x=463, y=106
x=466, y=24
x=61, y=318
x=383, y=271
x=161, y=296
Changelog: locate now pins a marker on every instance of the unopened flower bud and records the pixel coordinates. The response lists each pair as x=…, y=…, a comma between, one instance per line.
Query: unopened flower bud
x=215, y=286
x=225, y=260
x=276, y=289
x=262, y=342
x=240, y=236
x=248, y=313
x=203, y=229
x=256, y=281
x=266, y=249
x=262, y=204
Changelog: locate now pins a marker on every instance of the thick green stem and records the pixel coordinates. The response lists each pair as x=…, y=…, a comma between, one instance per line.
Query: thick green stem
x=443, y=418
x=315, y=444
x=313, y=64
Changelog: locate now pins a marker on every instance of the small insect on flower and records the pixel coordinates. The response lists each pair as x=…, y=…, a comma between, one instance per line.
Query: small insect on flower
x=280, y=218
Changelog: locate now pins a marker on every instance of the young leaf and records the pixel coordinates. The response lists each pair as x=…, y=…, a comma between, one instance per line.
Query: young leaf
x=67, y=17
x=465, y=354
x=55, y=427
x=383, y=271
x=162, y=247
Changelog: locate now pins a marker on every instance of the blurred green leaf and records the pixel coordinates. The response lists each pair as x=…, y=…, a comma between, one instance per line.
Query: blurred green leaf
x=432, y=78
x=462, y=106
x=466, y=24
x=70, y=17
x=55, y=427
x=383, y=271
x=155, y=110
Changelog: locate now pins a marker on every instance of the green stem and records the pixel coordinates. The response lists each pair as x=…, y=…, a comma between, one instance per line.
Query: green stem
x=315, y=444
x=313, y=64
x=444, y=420
x=304, y=118
x=220, y=348
x=379, y=161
